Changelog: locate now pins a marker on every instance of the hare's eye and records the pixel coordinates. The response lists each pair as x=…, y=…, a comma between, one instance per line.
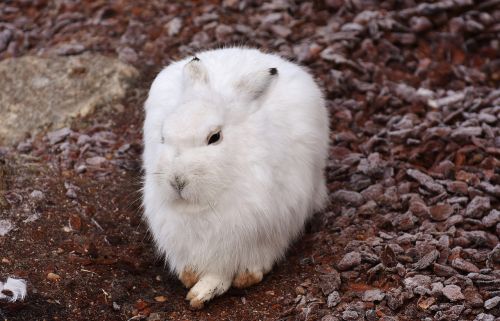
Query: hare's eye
x=214, y=138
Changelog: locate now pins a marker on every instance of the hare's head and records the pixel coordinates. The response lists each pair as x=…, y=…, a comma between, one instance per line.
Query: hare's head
x=202, y=144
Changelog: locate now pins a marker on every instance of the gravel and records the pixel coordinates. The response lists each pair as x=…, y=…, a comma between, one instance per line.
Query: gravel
x=412, y=175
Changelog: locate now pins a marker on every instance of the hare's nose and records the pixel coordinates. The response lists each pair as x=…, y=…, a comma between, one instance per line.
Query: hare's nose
x=178, y=183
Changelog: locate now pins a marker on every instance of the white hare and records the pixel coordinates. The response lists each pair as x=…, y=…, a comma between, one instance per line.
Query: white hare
x=236, y=142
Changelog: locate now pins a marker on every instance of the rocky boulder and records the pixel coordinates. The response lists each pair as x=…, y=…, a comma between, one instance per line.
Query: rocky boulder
x=37, y=93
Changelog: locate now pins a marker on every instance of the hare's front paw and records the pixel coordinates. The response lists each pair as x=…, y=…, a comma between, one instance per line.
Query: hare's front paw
x=188, y=277
x=206, y=288
x=247, y=278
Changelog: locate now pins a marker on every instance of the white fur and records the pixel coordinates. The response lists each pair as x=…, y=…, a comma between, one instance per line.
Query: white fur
x=248, y=196
x=16, y=286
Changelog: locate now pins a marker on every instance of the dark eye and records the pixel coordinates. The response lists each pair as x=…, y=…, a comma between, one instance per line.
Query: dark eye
x=214, y=138
x=162, y=140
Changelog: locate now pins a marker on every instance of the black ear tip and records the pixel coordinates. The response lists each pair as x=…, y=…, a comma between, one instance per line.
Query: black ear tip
x=195, y=59
x=273, y=71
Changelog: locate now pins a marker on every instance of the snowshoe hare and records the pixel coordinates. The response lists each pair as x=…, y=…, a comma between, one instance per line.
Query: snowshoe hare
x=236, y=142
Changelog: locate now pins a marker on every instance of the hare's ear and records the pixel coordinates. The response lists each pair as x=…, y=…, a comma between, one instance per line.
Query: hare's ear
x=194, y=75
x=254, y=85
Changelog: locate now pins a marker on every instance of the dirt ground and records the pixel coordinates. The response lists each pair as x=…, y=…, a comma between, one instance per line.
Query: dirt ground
x=412, y=230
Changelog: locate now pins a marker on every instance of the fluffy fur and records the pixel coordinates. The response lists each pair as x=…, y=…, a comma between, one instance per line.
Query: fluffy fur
x=224, y=213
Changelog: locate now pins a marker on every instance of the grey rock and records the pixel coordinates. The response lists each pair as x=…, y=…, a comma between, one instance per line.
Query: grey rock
x=477, y=207
x=463, y=265
x=127, y=54
x=37, y=195
x=484, y=317
x=405, y=221
x=96, y=160
x=5, y=38
x=348, y=197
x=71, y=193
x=58, y=136
x=491, y=219
x=420, y=24
x=426, y=181
x=417, y=280
x=24, y=147
x=427, y=260
x=5, y=227
x=350, y=315
x=330, y=282
x=373, y=295
x=70, y=49
x=443, y=270
x=491, y=303
x=281, y=30
x=436, y=289
x=349, y=260
x=333, y=299
x=466, y=132
x=453, y=293
x=441, y=212
x=174, y=26
x=50, y=91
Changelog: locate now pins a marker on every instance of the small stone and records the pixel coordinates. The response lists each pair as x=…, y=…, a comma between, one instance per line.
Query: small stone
x=53, y=277
x=333, y=299
x=424, y=303
x=75, y=222
x=81, y=169
x=96, y=160
x=70, y=49
x=174, y=26
x=329, y=318
x=425, y=180
x=349, y=260
x=420, y=24
x=116, y=306
x=350, y=315
x=484, y=317
x=491, y=219
x=437, y=288
x=457, y=187
x=346, y=197
x=443, y=270
x=472, y=297
x=477, y=207
x=417, y=280
x=37, y=195
x=127, y=54
x=373, y=295
x=330, y=281
x=5, y=38
x=71, y=193
x=418, y=207
x=281, y=30
x=405, y=222
x=5, y=227
x=466, y=132
x=160, y=298
x=427, y=260
x=491, y=303
x=24, y=147
x=464, y=265
x=453, y=293
x=373, y=192
x=467, y=177
x=441, y=212
x=59, y=135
